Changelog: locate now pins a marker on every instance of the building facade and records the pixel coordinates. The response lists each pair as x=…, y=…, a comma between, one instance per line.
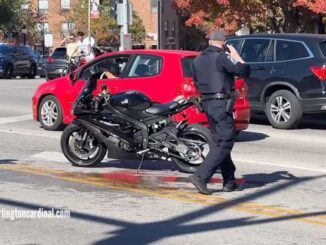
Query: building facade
x=159, y=18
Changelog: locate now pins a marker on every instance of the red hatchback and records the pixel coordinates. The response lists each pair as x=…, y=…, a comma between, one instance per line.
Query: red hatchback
x=160, y=74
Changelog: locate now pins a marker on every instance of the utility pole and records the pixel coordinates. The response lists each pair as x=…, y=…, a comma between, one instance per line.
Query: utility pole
x=124, y=19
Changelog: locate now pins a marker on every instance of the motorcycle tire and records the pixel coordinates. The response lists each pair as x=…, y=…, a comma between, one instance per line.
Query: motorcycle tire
x=199, y=133
x=73, y=152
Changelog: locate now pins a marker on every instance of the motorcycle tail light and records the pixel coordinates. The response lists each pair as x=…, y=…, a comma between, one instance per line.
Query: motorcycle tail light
x=319, y=72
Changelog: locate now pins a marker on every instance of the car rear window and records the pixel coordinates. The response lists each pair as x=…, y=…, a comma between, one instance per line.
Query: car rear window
x=59, y=53
x=187, y=66
x=322, y=46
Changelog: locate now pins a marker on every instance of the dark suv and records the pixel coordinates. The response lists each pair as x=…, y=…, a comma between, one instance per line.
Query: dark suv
x=288, y=76
x=17, y=61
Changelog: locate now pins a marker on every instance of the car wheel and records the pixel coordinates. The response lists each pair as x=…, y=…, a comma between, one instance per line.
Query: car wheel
x=283, y=110
x=50, y=113
x=32, y=72
x=8, y=72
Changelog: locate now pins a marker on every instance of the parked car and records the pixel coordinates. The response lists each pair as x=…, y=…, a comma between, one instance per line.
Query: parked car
x=40, y=61
x=58, y=62
x=17, y=61
x=161, y=75
x=288, y=77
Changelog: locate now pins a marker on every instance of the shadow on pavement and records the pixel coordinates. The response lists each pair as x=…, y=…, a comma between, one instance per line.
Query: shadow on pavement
x=312, y=121
x=262, y=179
x=8, y=161
x=247, y=136
x=145, y=233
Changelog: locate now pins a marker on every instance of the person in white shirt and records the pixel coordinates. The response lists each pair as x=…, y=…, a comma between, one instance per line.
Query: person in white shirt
x=85, y=45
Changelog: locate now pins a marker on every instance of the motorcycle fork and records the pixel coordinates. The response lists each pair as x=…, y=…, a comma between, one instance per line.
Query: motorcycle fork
x=83, y=140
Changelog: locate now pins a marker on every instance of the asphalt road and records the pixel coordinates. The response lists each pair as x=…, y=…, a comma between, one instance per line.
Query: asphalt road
x=283, y=173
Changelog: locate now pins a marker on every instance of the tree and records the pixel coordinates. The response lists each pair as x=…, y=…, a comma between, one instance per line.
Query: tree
x=259, y=15
x=137, y=30
x=105, y=28
x=14, y=18
x=8, y=10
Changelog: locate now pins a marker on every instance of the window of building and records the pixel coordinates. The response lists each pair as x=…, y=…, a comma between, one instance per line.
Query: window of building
x=166, y=28
x=173, y=29
x=66, y=28
x=42, y=25
x=154, y=6
x=65, y=4
x=43, y=7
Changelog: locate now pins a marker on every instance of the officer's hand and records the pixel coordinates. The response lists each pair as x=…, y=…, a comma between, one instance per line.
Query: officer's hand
x=234, y=54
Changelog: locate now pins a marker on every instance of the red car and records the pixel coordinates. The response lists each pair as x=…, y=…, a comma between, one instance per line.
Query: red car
x=160, y=74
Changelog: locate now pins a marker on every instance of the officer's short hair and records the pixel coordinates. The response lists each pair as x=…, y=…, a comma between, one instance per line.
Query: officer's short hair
x=218, y=35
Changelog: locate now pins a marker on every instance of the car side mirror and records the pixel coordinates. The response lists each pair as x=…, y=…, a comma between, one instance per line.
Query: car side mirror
x=73, y=77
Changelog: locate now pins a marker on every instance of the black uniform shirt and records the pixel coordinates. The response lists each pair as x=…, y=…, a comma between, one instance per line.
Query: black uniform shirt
x=214, y=71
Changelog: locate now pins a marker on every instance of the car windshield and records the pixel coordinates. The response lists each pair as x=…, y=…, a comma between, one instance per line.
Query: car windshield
x=187, y=66
x=4, y=50
x=59, y=53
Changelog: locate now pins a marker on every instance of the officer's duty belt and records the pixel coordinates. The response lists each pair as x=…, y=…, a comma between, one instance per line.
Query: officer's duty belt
x=216, y=96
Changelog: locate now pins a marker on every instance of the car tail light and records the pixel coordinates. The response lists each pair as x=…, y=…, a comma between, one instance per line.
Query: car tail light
x=187, y=87
x=319, y=72
x=82, y=62
x=50, y=60
x=242, y=88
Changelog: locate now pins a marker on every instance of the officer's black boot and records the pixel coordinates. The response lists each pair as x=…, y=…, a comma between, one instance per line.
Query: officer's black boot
x=230, y=186
x=201, y=186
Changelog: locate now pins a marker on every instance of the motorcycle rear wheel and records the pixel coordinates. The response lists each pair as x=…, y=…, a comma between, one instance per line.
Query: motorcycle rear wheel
x=88, y=155
x=195, y=133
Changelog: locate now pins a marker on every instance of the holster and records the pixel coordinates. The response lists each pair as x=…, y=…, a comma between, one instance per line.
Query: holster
x=230, y=101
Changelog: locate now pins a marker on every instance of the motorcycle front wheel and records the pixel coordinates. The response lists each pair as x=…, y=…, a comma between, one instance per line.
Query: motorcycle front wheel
x=198, y=138
x=80, y=147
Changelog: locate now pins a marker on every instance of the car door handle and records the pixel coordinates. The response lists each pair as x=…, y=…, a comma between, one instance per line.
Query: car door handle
x=259, y=68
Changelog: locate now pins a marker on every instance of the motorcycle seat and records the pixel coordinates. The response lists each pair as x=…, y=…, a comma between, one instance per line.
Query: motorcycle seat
x=161, y=108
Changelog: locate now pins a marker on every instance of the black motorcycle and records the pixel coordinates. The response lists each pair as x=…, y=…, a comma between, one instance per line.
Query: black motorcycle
x=130, y=124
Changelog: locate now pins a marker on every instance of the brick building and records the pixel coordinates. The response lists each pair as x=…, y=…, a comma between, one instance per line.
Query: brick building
x=56, y=26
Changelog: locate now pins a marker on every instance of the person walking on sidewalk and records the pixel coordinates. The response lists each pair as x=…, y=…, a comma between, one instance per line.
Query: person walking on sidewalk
x=214, y=73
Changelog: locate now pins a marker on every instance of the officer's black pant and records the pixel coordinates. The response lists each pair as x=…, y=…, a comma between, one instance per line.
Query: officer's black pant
x=223, y=131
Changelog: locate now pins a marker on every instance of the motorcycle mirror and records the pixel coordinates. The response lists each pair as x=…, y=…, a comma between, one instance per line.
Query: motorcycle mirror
x=73, y=77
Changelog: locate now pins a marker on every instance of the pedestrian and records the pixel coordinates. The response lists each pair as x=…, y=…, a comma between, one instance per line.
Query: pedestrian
x=71, y=45
x=214, y=73
x=86, y=45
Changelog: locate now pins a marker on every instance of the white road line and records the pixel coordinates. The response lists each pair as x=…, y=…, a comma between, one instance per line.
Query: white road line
x=45, y=134
x=320, y=170
x=5, y=120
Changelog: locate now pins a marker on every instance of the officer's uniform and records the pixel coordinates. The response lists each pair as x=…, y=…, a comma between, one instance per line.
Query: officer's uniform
x=214, y=73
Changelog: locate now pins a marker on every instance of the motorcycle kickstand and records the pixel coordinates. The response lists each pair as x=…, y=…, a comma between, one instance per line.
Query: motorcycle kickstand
x=142, y=159
x=141, y=162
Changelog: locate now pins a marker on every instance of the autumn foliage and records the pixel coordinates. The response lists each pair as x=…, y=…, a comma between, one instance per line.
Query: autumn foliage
x=267, y=15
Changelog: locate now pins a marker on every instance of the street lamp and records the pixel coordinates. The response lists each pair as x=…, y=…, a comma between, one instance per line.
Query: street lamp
x=43, y=39
x=24, y=32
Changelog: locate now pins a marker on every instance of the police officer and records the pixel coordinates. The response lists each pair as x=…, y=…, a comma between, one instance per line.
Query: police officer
x=214, y=72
